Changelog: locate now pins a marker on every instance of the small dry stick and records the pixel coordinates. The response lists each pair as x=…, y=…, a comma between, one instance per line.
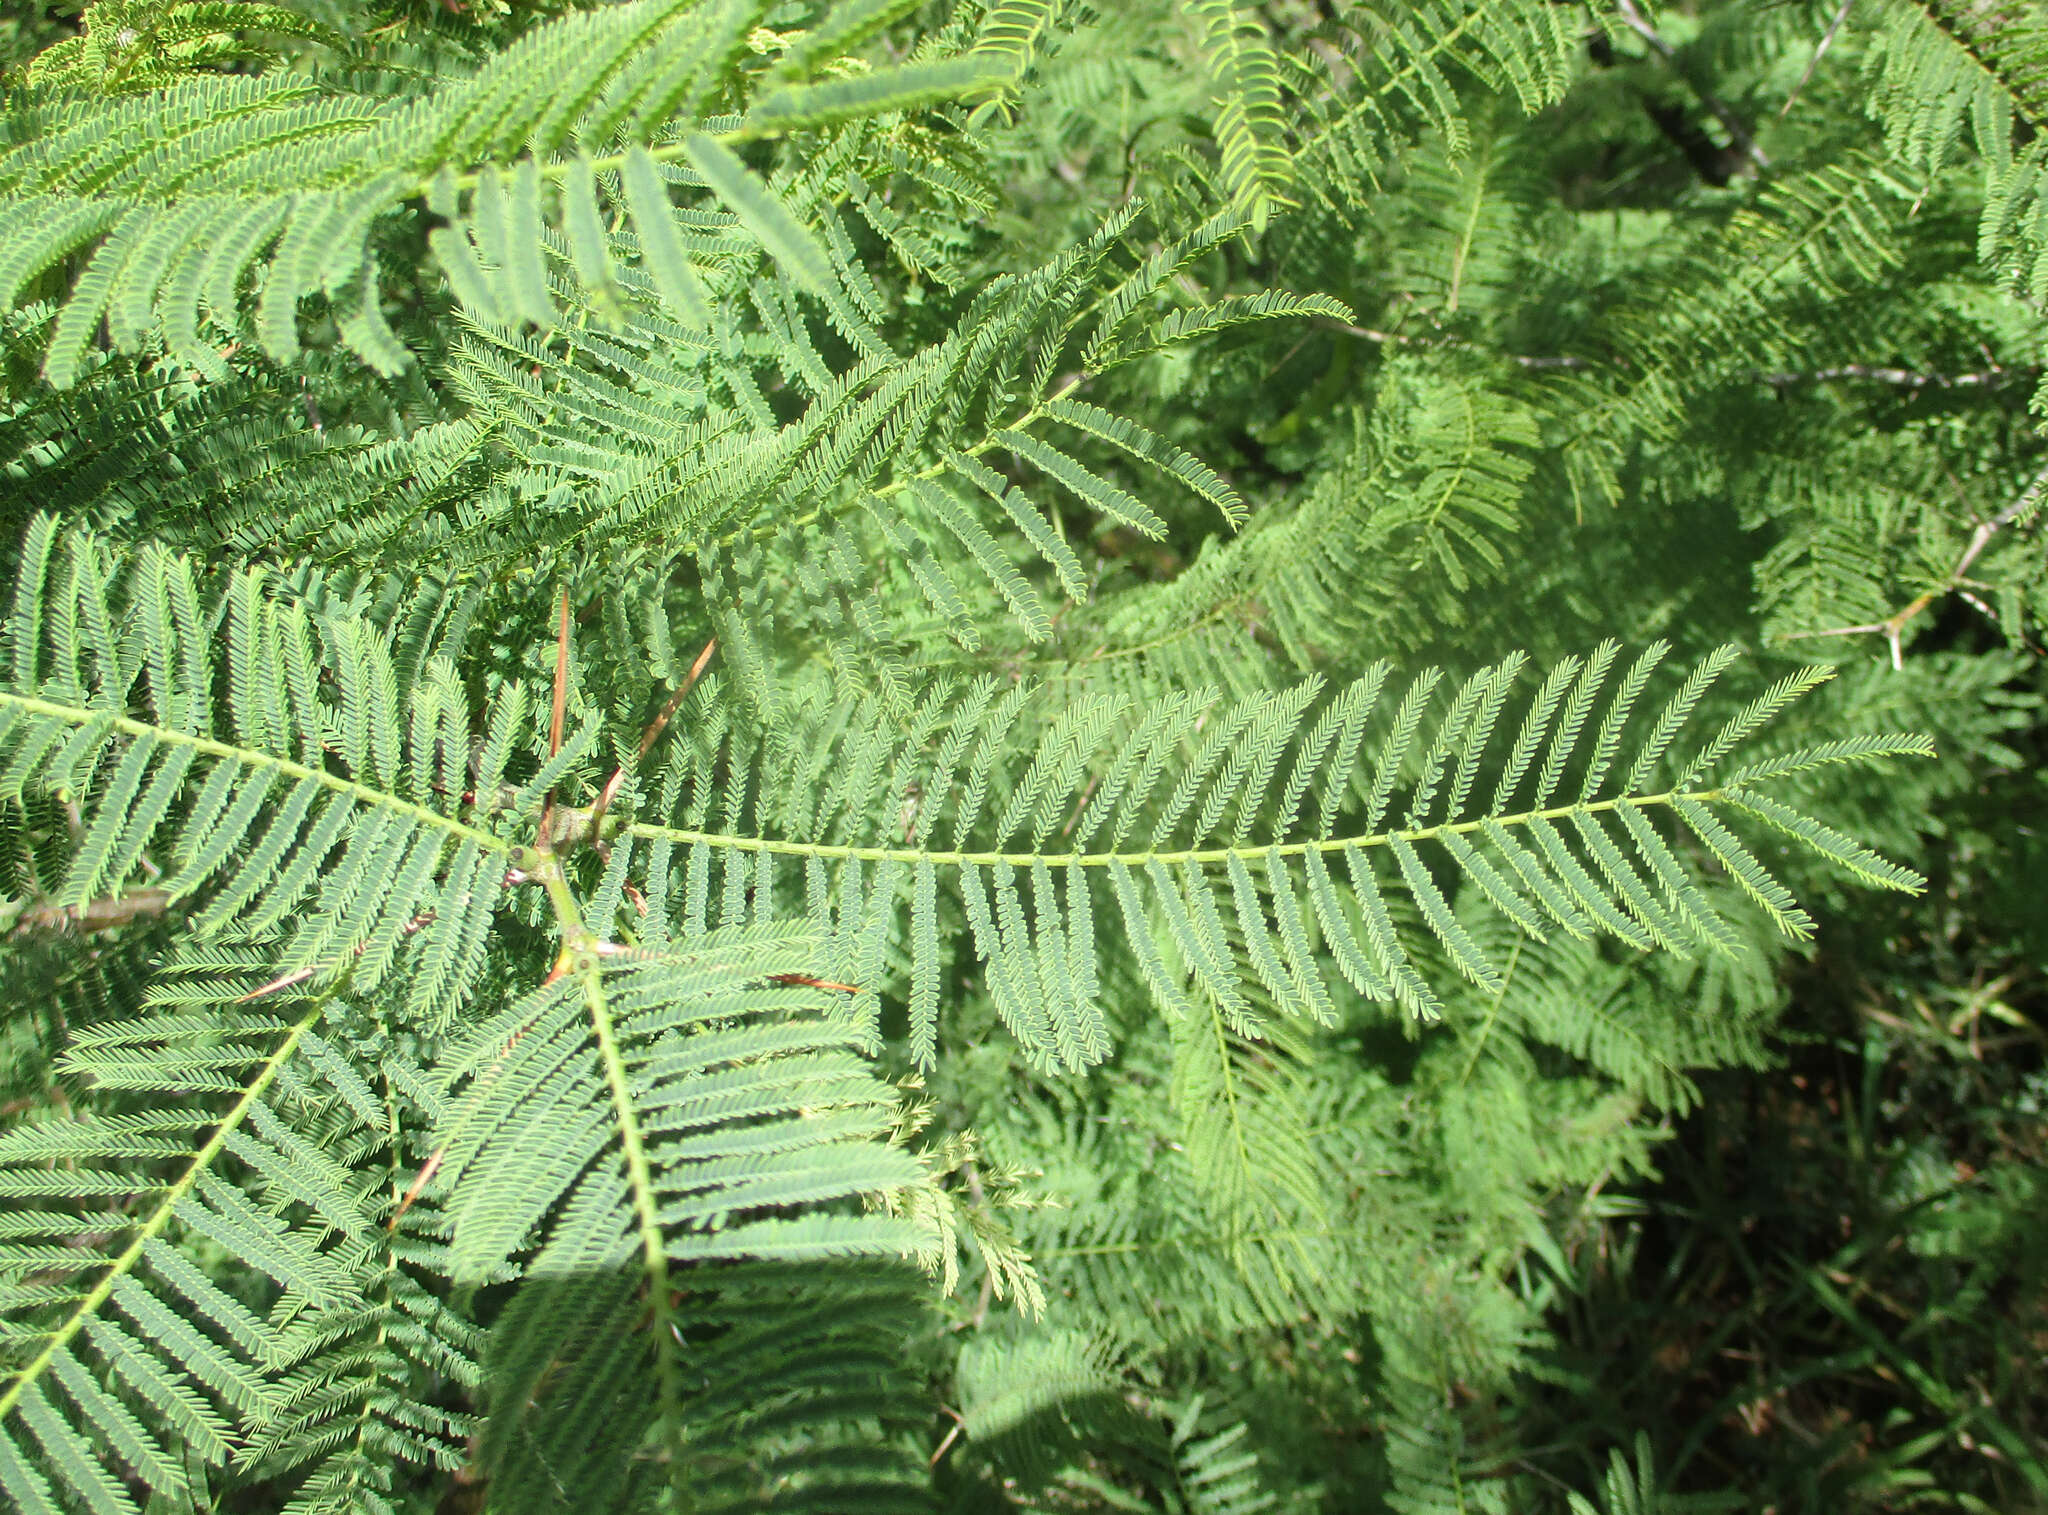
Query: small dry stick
x=660, y=723
x=977, y=1197
x=805, y=981
x=1080, y=805
x=1905, y=378
x=558, y=714
x=1398, y=339
x=647, y=738
x=427, y=1171
x=95, y=915
x=299, y=975
x=952, y=1436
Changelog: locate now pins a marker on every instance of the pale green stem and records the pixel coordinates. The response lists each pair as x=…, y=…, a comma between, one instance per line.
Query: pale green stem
x=362, y=794
x=166, y=1207
x=579, y=946
x=1198, y=855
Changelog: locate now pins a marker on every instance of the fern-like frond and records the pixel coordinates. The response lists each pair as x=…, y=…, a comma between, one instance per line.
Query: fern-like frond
x=1420, y=510
x=1232, y=838
x=1641, y=1023
x=1022, y=1397
x=1216, y=1470
x=1948, y=73
x=1051, y=1412
x=1392, y=71
x=125, y=46
x=1438, y=1459
x=298, y=174
x=1945, y=67
x=625, y=1135
x=1012, y=33
x=648, y=435
x=1831, y=229
x=208, y=467
x=266, y=756
x=126, y=1366
x=1631, y=1487
x=1246, y=73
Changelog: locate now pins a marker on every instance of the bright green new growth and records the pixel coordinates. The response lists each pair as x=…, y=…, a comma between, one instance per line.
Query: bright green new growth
x=1201, y=829
x=1108, y=835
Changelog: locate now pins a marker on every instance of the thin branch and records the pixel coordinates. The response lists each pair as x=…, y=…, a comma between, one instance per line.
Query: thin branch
x=299, y=975
x=953, y=1435
x=95, y=915
x=419, y=1184
x=1370, y=334
x=979, y=1199
x=1836, y=631
x=1730, y=122
x=1827, y=40
x=675, y=701
x=1892, y=628
x=1367, y=333
x=1993, y=377
x=558, y=713
x=1080, y=805
x=1905, y=378
x=647, y=739
x=1981, y=538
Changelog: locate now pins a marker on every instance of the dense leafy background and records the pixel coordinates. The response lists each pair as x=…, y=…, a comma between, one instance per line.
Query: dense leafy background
x=1121, y=353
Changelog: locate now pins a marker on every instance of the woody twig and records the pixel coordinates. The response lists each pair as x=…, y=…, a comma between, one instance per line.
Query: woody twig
x=1892, y=628
x=648, y=737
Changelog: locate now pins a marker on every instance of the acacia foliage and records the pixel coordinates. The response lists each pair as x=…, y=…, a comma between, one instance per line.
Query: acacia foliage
x=963, y=754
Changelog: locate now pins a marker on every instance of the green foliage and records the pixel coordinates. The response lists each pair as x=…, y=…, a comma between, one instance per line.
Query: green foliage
x=997, y=755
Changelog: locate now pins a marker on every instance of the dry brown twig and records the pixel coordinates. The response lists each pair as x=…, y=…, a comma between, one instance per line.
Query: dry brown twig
x=1904, y=378
x=95, y=915
x=648, y=737
x=558, y=714
x=299, y=975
